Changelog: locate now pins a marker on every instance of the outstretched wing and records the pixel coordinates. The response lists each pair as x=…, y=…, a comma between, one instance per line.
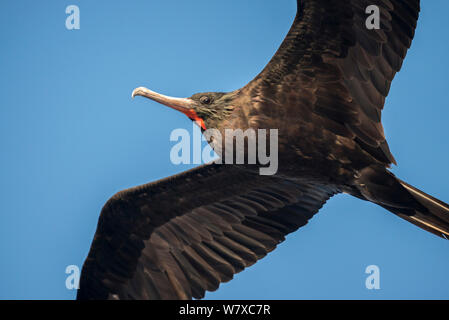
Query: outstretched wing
x=332, y=63
x=178, y=237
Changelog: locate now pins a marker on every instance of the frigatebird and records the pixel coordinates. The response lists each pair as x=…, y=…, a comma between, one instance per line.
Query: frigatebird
x=324, y=91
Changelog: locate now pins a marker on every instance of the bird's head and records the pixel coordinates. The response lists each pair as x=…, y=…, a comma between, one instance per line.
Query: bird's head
x=206, y=109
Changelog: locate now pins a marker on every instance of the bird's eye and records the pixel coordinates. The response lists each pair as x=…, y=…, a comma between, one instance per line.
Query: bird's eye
x=205, y=100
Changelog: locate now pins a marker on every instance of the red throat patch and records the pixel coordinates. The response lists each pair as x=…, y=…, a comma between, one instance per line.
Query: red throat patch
x=194, y=117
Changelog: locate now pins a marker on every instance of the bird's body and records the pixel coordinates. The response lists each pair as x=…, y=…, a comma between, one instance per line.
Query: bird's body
x=323, y=91
x=306, y=144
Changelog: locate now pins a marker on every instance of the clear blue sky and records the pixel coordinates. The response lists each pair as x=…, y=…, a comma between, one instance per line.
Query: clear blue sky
x=70, y=137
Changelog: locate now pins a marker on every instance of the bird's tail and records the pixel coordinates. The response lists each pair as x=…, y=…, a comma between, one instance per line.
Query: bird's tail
x=435, y=220
x=380, y=186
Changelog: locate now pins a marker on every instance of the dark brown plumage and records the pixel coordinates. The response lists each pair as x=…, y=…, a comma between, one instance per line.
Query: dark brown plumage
x=324, y=90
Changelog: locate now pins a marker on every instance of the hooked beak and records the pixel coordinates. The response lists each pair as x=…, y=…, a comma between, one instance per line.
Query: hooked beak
x=185, y=105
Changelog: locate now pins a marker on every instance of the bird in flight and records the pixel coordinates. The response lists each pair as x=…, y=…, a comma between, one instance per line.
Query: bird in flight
x=324, y=90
